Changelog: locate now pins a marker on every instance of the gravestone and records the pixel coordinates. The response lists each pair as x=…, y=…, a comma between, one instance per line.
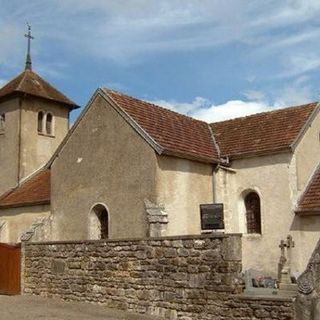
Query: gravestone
x=282, y=259
x=285, y=282
x=258, y=284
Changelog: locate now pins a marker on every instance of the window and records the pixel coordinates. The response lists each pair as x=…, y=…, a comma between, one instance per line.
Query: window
x=253, y=212
x=99, y=222
x=40, y=121
x=45, y=123
x=2, y=122
x=49, y=124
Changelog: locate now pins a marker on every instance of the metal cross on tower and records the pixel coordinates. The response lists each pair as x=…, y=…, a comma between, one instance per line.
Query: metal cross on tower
x=28, y=60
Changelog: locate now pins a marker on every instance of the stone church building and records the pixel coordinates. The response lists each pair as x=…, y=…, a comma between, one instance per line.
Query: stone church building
x=131, y=169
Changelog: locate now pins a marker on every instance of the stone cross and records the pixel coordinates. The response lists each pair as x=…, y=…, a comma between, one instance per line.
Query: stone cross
x=289, y=244
x=285, y=261
x=282, y=259
x=282, y=246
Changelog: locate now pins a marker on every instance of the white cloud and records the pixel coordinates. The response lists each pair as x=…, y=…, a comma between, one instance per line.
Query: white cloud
x=229, y=110
x=295, y=95
x=188, y=108
x=256, y=101
x=254, y=95
x=201, y=108
x=126, y=30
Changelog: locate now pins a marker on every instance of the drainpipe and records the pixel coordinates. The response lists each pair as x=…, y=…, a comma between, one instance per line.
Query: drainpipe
x=214, y=183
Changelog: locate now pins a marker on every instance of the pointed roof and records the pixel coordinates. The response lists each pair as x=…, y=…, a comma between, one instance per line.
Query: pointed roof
x=309, y=202
x=30, y=83
x=263, y=133
x=33, y=191
x=174, y=133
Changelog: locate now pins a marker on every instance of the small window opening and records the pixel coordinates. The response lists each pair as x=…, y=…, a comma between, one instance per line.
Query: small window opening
x=49, y=124
x=40, y=121
x=99, y=222
x=103, y=217
x=253, y=212
x=2, y=122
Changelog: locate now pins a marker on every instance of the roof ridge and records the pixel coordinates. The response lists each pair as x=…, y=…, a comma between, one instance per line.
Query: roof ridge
x=50, y=85
x=268, y=112
x=155, y=105
x=22, y=80
x=215, y=143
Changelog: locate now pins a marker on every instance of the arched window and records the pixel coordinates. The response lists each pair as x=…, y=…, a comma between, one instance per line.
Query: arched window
x=40, y=121
x=49, y=124
x=2, y=122
x=253, y=212
x=99, y=222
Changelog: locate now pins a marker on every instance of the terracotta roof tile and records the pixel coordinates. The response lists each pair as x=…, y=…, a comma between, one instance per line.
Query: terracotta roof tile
x=261, y=133
x=31, y=83
x=310, y=200
x=175, y=133
x=33, y=191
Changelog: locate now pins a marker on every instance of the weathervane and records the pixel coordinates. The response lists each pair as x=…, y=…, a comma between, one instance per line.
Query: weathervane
x=30, y=37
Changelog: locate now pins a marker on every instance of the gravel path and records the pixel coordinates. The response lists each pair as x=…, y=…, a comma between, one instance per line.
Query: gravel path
x=34, y=308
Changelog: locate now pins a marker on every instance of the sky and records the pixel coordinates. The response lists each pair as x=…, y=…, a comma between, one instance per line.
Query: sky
x=209, y=59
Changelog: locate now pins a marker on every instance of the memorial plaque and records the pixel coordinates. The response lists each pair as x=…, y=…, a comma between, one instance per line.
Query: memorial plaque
x=211, y=216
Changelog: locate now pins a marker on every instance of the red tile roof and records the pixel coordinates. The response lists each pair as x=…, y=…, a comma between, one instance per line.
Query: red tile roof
x=309, y=202
x=177, y=134
x=33, y=191
x=32, y=84
x=261, y=133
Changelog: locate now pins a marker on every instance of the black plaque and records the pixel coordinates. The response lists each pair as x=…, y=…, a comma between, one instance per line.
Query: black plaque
x=211, y=216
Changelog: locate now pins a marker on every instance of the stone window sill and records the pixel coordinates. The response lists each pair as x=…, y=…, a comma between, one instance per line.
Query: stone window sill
x=252, y=235
x=46, y=135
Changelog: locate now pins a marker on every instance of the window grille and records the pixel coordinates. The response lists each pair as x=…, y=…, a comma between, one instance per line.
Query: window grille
x=253, y=212
x=49, y=124
x=40, y=121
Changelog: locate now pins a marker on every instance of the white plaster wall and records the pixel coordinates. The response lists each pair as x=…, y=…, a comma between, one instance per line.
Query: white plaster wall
x=9, y=145
x=37, y=149
x=181, y=186
x=308, y=153
x=269, y=177
x=104, y=161
x=19, y=220
x=305, y=230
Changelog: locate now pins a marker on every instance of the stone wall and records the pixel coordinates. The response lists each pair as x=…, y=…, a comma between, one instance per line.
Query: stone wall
x=190, y=277
x=260, y=307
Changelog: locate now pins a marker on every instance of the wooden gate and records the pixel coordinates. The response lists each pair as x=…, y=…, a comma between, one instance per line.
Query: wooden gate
x=10, y=268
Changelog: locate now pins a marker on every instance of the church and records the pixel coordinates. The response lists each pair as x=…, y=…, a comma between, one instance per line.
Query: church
x=130, y=169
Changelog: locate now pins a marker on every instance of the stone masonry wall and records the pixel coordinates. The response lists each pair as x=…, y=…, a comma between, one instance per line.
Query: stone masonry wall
x=187, y=277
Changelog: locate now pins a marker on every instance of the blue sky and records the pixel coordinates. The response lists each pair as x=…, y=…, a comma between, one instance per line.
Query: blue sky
x=209, y=59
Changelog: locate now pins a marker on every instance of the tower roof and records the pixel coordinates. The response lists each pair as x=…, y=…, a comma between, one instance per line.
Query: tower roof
x=30, y=83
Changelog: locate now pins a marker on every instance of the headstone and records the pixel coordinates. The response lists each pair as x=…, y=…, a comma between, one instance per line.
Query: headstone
x=258, y=284
x=285, y=282
x=282, y=259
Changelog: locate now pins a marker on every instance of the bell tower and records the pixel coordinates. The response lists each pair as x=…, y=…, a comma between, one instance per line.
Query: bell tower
x=34, y=119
